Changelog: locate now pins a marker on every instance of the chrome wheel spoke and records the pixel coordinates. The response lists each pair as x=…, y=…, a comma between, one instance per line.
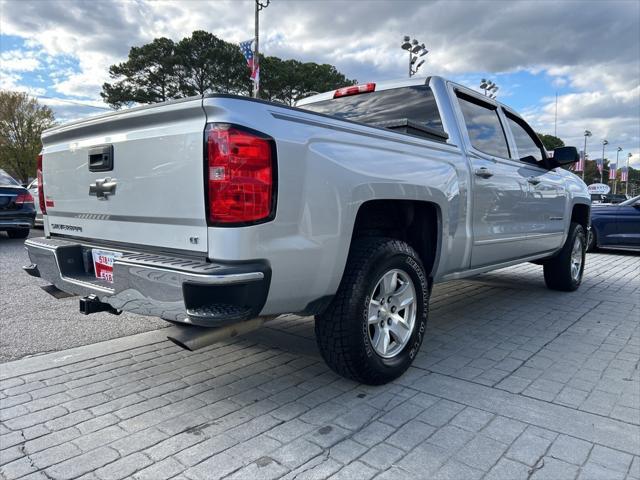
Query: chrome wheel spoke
x=374, y=309
x=404, y=296
x=399, y=329
x=389, y=283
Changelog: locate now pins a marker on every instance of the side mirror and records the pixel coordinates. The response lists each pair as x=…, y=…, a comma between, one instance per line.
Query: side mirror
x=563, y=156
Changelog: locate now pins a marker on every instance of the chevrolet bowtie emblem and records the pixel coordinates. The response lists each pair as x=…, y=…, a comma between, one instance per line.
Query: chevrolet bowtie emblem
x=103, y=188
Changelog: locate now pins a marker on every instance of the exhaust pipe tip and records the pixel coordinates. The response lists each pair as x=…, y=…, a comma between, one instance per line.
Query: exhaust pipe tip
x=177, y=342
x=192, y=338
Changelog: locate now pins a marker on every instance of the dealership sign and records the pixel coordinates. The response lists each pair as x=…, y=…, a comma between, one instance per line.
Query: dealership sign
x=598, y=188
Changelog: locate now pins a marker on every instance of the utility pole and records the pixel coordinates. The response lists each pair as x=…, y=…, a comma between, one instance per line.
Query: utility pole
x=260, y=5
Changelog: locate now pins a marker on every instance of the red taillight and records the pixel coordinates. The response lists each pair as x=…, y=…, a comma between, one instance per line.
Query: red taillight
x=240, y=175
x=43, y=205
x=355, y=90
x=24, y=198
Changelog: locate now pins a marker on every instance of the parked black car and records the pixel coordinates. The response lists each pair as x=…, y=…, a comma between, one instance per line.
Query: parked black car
x=17, y=211
x=616, y=226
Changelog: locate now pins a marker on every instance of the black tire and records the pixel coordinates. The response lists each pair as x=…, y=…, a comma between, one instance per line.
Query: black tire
x=558, y=273
x=19, y=233
x=592, y=243
x=343, y=331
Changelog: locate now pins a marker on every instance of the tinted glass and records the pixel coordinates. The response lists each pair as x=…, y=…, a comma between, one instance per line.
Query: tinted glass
x=413, y=103
x=5, y=179
x=528, y=150
x=485, y=130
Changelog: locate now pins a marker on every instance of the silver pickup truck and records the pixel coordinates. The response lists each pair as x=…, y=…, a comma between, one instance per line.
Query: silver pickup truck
x=218, y=212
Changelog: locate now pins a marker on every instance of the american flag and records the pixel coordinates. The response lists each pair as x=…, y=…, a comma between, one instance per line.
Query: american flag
x=579, y=165
x=600, y=164
x=624, y=174
x=248, y=55
x=612, y=171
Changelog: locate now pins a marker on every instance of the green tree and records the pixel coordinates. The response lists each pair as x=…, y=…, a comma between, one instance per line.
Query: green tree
x=148, y=76
x=288, y=81
x=202, y=63
x=22, y=121
x=550, y=142
x=205, y=63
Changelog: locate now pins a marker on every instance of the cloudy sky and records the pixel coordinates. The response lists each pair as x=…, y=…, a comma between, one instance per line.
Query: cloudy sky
x=588, y=52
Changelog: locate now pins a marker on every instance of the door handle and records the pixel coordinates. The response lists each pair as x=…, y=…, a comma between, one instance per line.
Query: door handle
x=484, y=172
x=533, y=180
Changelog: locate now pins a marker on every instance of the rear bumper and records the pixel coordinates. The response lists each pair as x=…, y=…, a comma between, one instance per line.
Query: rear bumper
x=178, y=289
x=25, y=221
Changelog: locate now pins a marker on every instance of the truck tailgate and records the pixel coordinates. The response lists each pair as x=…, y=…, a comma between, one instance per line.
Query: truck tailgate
x=151, y=194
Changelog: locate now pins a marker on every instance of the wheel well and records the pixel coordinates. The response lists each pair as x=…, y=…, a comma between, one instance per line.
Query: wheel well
x=581, y=215
x=414, y=222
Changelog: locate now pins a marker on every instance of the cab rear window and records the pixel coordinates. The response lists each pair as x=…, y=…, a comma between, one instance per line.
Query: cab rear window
x=415, y=104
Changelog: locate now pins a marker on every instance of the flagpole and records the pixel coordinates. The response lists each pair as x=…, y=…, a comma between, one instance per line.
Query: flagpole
x=256, y=57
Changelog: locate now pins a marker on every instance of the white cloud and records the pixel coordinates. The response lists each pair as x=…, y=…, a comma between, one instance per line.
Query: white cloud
x=19, y=61
x=13, y=82
x=590, y=53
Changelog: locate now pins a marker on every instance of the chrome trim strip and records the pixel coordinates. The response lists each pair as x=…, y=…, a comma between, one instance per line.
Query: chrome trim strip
x=516, y=239
x=21, y=224
x=190, y=222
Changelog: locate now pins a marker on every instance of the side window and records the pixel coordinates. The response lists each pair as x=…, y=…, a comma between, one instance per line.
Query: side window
x=484, y=127
x=528, y=149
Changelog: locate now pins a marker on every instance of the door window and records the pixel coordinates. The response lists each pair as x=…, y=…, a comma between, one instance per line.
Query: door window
x=528, y=149
x=484, y=127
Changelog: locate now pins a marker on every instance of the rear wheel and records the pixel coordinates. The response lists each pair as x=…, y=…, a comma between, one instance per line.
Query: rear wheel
x=564, y=271
x=18, y=233
x=374, y=327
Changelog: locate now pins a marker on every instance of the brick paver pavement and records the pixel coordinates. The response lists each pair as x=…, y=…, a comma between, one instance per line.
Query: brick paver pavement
x=513, y=382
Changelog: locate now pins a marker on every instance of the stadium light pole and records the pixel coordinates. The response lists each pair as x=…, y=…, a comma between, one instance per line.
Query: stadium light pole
x=604, y=143
x=615, y=179
x=626, y=184
x=416, y=50
x=489, y=88
x=587, y=133
x=260, y=5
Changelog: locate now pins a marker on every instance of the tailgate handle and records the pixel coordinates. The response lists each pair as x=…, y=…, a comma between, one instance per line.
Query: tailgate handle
x=101, y=158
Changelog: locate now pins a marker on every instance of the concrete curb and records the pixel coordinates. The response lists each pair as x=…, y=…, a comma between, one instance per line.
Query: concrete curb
x=62, y=358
